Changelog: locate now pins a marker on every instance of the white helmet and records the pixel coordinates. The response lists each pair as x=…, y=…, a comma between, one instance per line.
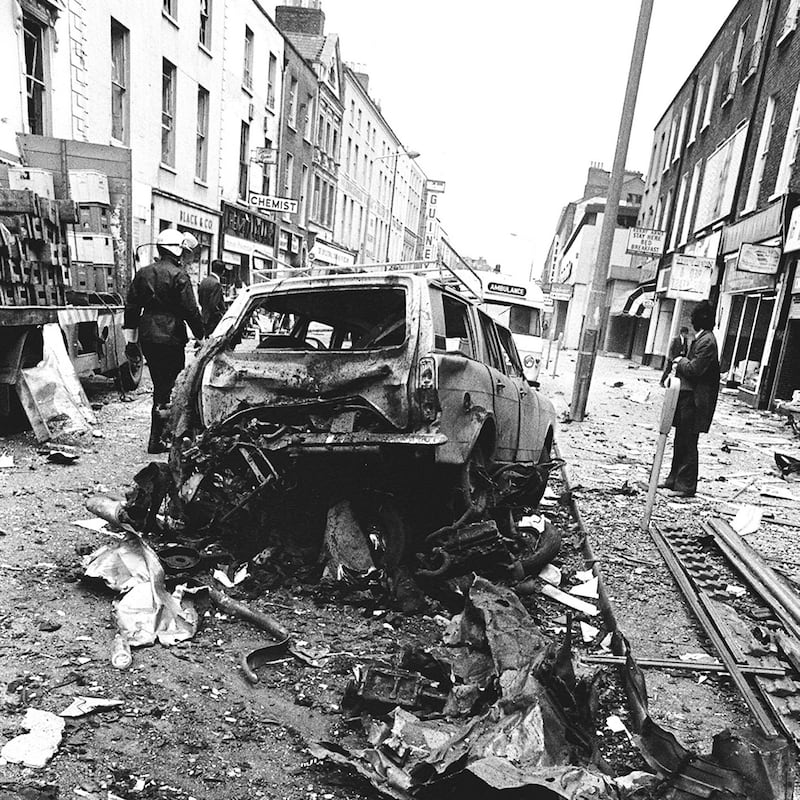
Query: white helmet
x=175, y=242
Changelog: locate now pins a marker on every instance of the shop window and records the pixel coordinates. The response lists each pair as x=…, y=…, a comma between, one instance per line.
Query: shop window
x=119, y=82
x=168, y=76
x=746, y=338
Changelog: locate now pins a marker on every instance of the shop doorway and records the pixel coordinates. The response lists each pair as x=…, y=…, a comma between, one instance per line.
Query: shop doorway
x=746, y=337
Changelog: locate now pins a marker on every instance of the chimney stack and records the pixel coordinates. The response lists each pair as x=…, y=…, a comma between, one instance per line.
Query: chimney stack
x=304, y=16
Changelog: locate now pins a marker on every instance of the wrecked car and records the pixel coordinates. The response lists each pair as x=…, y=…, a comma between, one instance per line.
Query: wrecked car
x=390, y=378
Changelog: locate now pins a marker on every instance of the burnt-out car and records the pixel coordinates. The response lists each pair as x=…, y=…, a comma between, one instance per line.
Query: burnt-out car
x=381, y=367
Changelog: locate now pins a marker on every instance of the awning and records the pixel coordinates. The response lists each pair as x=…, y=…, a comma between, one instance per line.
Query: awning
x=640, y=301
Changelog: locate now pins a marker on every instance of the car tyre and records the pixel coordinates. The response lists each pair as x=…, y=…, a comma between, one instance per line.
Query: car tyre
x=473, y=491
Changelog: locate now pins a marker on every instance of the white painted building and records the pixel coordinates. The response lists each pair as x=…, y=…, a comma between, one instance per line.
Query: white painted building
x=375, y=166
x=166, y=78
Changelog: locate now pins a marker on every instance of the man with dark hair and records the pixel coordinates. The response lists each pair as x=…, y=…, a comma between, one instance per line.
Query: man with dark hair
x=212, y=301
x=159, y=305
x=679, y=346
x=699, y=375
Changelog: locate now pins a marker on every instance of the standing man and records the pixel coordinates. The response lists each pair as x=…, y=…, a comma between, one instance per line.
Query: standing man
x=212, y=301
x=699, y=374
x=679, y=346
x=159, y=305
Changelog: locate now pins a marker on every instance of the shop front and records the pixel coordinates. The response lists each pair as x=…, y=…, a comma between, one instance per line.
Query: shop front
x=679, y=287
x=787, y=336
x=201, y=222
x=749, y=303
x=324, y=255
x=247, y=245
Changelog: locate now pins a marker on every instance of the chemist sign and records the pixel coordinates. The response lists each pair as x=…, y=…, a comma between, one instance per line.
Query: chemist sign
x=645, y=241
x=690, y=278
x=267, y=202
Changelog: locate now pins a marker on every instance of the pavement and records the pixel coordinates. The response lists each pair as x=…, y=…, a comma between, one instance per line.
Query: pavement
x=609, y=458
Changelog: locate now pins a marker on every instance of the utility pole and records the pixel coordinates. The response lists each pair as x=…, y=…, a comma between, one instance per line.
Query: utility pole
x=590, y=339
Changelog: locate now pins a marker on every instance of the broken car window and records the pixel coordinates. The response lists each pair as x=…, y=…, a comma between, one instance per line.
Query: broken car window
x=456, y=333
x=324, y=319
x=525, y=321
x=511, y=357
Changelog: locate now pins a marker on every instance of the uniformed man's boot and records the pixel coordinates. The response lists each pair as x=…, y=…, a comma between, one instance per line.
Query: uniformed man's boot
x=156, y=443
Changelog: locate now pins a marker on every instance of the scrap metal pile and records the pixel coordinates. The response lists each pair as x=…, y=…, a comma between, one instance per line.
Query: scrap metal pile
x=506, y=701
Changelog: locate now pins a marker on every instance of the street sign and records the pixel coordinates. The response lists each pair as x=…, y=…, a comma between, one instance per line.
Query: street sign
x=646, y=241
x=265, y=155
x=434, y=186
x=266, y=202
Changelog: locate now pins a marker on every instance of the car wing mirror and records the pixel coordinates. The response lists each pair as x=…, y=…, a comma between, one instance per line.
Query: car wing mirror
x=534, y=384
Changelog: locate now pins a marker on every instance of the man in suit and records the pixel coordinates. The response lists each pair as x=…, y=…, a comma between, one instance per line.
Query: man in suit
x=679, y=346
x=209, y=293
x=699, y=374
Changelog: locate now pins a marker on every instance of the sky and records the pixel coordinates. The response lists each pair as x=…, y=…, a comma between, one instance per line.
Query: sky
x=509, y=101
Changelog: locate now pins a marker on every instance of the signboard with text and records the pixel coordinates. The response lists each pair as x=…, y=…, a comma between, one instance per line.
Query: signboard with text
x=759, y=258
x=246, y=225
x=646, y=241
x=690, y=278
x=434, y=186
x=430, y=242
x=505, y=288
x=267, y=202
x=265, y=155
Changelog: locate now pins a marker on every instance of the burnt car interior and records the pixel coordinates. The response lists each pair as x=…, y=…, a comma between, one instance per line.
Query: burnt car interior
x=327, y=319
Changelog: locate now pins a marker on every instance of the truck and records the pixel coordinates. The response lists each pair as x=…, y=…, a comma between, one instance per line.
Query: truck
x=65, y=260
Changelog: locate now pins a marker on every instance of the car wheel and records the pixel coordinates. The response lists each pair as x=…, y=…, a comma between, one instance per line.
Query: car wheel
x=474, y=489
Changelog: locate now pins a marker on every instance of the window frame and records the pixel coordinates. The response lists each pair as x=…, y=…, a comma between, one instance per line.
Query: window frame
x=169, y=93
x=42, y=36
x=762, y=154
x=244, y=161
x=201, y=134
x=120, y=82
x=204, y=30
x=291, y=117
x=247, y=63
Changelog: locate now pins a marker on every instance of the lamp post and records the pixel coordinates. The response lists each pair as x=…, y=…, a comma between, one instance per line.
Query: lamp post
x=412, y=154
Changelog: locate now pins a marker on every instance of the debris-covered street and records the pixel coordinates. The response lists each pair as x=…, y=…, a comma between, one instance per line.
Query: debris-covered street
x=186, y=721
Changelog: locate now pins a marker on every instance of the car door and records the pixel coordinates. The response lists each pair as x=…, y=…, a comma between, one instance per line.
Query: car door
x=464, y=381
x=505, y=390
x=531, y=424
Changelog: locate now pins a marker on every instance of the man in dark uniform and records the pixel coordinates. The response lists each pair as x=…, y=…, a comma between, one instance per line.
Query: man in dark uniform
x=697, y=401
x=159, y=305
x=212, y=301
x=679, y=346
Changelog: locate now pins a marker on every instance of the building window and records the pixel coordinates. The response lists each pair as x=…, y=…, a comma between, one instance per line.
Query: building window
x=315, y=198
x=681, y=132
x=789, y=147
x=358, y=126
x=348, y=154
x=331, y=198
x=266, y=169
x=673, y=132
x=35, y=75
x=288, y=176
x=673, y=238
x=272, y=72
x=352, y=112
x=292, y=119
x=761, y=156
x=247, y=67
x=119, y=82
x=733, y=78
x=698, y=110
x=309, y=116
x=201, y=154
x=790, y=21
x=244, y=160
x=753, y=56
x=335, y=146
x=712, y=90
x=168, y=74
x=303, y=193
x=204, y=33
x=170, y=8
x=688, y=216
